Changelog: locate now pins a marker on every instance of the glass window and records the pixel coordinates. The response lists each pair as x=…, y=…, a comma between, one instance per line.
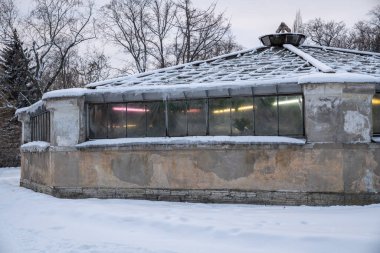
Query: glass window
x=177, y=118
x=136, y=120
x=266, y=118
x=290, y=115
x=97, y=121
x=196, y=117
x=220, y=116
x=155, y=119
x=376, y=114
x=117, y=120
x=242, y=115
x=239, y=116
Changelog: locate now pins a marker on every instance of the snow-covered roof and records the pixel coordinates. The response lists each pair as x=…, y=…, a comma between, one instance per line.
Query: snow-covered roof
x=264, y=65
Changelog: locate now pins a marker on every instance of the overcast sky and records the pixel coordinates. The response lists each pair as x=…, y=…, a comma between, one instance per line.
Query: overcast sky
x=253, y=18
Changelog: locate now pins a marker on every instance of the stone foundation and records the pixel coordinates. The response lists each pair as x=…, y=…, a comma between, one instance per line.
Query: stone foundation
x=210, y=196
x=284, y=174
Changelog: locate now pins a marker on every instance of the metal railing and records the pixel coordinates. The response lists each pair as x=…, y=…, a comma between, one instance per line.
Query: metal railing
x=40, y=126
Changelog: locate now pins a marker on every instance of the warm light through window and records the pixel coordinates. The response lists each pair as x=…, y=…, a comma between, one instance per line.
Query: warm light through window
x=240, y=109
x=194, y=110
x=376, y=101
x=129, y=109
x=287, y=102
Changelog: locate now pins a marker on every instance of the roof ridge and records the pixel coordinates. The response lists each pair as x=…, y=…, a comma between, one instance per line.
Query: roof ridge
x=307, y=57
x=354, y=51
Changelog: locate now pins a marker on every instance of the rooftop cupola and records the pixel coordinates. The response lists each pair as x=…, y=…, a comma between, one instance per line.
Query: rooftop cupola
x=283, y=36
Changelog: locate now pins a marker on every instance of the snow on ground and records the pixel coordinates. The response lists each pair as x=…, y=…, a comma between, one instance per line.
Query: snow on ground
x=34, y=222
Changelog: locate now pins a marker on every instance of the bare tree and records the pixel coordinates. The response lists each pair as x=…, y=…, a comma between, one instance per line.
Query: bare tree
x=162, y=13
x=331, y=33
x=366, y=34
x=227, y=45
x=125, y=24
x=160, y=33
x=199, y=31
x=8, y=17
x=93, y=66
x=55, y=28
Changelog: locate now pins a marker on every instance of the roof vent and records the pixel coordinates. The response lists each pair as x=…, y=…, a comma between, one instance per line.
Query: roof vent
x=283, y=36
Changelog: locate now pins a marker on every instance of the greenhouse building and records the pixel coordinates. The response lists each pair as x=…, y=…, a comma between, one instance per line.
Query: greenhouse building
x=280, y=124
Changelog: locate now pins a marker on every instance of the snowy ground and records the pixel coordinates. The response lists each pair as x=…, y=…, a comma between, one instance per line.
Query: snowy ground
x=34, y=222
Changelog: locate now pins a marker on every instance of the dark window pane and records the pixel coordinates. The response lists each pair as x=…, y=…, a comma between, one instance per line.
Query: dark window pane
x=376, y=113
x=290, y=115
x=97, y=121
x=196, y=117
x=266, y=116
x=117, y=120
x=220, y=116
x=136, y=120
x=242, y=115
x=155, y=119
x=177, y=118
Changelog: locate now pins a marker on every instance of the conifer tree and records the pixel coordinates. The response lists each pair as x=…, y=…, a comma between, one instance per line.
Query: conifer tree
x=16, y=79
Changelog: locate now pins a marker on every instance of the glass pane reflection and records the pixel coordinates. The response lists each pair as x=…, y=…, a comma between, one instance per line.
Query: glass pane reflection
x=196, y=117
x=266, y=120
x=117, y=121
x=155, y=119
x=177, y=118
x=242, y=115
x=290, y=115
x=97, y=121
x=220, y=116
x=136, y=120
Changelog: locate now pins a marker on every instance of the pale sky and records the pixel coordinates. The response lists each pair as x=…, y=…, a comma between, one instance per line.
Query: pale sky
x=253, y=18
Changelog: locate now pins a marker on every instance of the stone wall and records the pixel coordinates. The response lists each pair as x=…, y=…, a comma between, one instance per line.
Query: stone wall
x=261, y=173
x=10, y=134
x=338, y=165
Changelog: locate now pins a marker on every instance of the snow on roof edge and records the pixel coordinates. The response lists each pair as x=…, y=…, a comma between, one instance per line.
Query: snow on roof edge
x=337, y=78
x=308, y=78
x=343, y=50
x=65, y=93
x=32, y=108
x=78, y=92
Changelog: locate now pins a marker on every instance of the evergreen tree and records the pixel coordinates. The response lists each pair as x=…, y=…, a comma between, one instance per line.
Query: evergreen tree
x=16, y=79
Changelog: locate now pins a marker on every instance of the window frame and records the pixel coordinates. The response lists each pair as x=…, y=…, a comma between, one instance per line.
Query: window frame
x=187, y=101
x=375, y=134
x=40, y=126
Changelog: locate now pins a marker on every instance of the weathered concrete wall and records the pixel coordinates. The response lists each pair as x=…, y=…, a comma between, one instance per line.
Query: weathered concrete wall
x=338, y=169
x=10, y=134
x=36, y=168
x=338, y=112
x=67, y=121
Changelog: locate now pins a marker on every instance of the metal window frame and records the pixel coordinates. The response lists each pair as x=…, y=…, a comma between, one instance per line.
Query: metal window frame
x=375, y=134
x=206, y=99
x=40, y=126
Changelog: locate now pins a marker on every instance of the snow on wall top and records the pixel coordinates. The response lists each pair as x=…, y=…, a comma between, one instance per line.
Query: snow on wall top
x=30, y=109
x=256, y=65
